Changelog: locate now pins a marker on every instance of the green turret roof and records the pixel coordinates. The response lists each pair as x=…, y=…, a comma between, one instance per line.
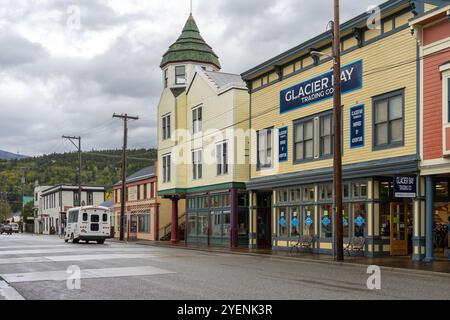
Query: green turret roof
x=190, y=46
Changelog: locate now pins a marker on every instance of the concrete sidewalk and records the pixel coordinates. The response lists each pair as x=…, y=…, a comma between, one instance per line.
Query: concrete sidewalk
x=401, y=264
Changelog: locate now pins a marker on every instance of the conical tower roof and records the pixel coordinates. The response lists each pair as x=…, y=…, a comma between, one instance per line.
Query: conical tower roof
x=190, y=46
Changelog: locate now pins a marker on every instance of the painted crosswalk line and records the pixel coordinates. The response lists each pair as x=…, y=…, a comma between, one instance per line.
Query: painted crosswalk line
x=67, y=258
x=65, y=250
x=85, y=274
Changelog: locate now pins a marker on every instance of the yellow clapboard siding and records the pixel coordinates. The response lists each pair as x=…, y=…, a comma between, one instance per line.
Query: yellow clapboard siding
x=380, y=75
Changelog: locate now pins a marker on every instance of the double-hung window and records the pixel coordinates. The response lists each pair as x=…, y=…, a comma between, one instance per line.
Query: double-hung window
x=166, y=168
x=304, y=140
x=326, y=135
x=180, y=75
x=222, y=158
x=166, y=127
x=197, y=118
x=197, y=166
x=388, y=120
x=166, y=78
x=448, y=99
x=265, y=148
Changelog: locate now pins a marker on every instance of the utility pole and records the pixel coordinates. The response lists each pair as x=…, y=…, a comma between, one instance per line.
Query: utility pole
x=78, y=146
x=125, y=117
x=337, y=134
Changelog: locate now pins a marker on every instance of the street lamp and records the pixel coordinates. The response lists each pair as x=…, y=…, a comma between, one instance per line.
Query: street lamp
x=337, y=163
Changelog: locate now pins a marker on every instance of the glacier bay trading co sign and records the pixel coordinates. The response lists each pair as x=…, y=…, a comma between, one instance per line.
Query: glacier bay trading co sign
x=321, y=88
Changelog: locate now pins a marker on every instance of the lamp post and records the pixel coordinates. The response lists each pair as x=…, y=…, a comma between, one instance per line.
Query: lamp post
x=337, y=163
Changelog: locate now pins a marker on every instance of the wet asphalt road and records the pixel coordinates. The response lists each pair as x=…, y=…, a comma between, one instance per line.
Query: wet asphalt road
x=35, y=267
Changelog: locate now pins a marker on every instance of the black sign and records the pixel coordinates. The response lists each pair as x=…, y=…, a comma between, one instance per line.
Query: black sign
x=283, y=144
x=405, y=187
x=320, y=88
x=357, y=127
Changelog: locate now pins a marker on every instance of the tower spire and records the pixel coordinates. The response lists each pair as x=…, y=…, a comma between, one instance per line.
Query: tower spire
x=190, y=12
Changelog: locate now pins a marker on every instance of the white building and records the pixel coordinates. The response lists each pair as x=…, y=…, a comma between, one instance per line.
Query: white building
x=38, y=209
x=53, y=203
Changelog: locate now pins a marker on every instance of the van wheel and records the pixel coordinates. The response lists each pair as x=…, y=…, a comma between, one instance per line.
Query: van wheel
x=100, y=241
x=76, y=240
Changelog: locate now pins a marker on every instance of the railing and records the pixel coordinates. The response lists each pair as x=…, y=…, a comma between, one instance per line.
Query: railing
x=165, y=232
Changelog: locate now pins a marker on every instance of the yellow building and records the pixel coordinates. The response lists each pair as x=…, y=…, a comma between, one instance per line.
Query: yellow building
x=202, y=115
x=291, y=190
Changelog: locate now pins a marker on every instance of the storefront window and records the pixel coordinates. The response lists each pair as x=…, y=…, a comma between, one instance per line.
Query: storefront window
x=308, y=220
x=295, y=195
x=345, y=220
x=326, y=221
x=308, y=194
x=226, y=223
x=359, y=190
x=441, y=190
x=243, y=228
x=243, y=200
x=294, y=222
x=359, y=219
x=346, y=190
x=326, y=192
x=282, y=196
x=385, y=189
x=282, y=222
x=385, y=217
x=216, y=223
x=192, y=225
x=226, y=200
x=202, y=225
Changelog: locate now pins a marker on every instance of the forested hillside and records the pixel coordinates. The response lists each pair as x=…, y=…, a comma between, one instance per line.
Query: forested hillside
x=98, y=168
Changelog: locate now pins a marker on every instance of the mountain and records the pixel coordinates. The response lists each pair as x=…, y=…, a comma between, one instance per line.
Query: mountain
x=98, y=168
x=5, y=155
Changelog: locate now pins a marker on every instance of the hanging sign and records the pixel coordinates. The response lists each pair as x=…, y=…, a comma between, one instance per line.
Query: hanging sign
x=405, y=186
x=321, y=88
x=357, y=127
x=283, y=144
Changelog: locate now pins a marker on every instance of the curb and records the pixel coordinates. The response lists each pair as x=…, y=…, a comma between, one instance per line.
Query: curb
x=299, y=259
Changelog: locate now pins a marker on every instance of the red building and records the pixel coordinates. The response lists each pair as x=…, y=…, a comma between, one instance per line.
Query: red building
x=147, y=216
x=433, y=34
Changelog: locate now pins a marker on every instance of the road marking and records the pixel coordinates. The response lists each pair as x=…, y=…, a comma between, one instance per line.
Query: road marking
x=34, y=246
x=85, y=274
x=87, y=257
x=68, y=249
x=8, y=292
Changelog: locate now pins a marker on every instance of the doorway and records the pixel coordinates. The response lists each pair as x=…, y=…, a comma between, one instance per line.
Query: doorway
x=264, y=220
x=400, y=228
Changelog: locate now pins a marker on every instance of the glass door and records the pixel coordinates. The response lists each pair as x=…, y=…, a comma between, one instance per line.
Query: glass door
x=399, y=229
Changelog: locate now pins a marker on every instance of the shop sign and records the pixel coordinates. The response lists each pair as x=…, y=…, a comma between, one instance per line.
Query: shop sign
x=357, y=127
x=405, y=187
x=321, y=88
x=283, y=144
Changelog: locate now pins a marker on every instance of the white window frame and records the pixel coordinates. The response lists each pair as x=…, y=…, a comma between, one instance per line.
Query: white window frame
x=166, y=126
x=222, y=158
x=268, y=159
x=197, y=119
x=166, y=78
x=445, y=71
x=166, y=168
x=176, y=77
x=197, y=164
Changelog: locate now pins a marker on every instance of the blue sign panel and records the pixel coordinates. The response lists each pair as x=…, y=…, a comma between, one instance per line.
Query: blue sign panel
x=357, y=127
x=283, y=144
x=321, y=88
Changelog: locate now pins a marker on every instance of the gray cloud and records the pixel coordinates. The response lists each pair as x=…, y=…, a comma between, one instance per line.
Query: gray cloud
x=55, y=82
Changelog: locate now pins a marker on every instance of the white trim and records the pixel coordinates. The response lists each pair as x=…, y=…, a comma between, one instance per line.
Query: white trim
x=445, y=115
x=430, y=14
x=436, y=47
x=445, y=67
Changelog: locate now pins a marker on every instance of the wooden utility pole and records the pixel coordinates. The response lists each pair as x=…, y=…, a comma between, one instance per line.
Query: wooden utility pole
x=337, y=135
x=125, y=117
x=78, y=147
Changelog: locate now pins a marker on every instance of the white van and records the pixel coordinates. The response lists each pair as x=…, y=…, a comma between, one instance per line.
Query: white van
x=88, y=224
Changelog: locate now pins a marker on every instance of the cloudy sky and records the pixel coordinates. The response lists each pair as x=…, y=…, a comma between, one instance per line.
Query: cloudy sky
x=67, y=66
